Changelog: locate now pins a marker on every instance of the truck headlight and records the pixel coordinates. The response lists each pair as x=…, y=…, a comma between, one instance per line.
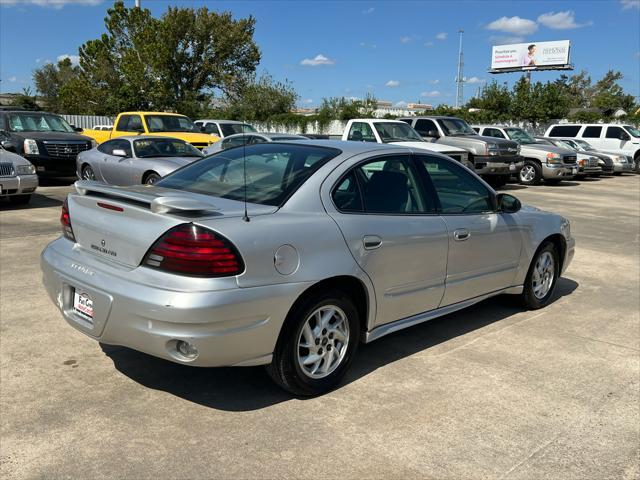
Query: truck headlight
x=25, y=170
x=553, y=159
x=31, y=147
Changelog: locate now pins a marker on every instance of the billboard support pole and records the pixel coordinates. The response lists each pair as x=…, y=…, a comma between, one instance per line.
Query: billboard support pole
x=459, y=76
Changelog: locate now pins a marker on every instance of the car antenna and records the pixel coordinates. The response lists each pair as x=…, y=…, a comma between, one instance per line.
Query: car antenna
x=244, y=174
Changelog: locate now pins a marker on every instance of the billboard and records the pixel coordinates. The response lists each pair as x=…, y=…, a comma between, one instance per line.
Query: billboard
x=530, y=56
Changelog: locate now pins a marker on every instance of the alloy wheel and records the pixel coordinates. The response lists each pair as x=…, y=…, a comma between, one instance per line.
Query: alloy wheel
x=543, y=275
x=528, y=173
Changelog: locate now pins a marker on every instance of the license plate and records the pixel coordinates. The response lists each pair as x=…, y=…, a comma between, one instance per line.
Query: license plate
x=83, y=305
x=574, y=170
x=512, y=167
x=40, y=169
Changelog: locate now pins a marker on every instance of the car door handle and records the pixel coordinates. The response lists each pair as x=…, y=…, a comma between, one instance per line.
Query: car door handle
x=461, y=234
x=371, y=242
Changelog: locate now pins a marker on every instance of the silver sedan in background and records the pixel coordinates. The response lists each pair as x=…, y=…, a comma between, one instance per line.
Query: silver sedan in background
x=134, y=160
x=250, y=138
x=291, y=254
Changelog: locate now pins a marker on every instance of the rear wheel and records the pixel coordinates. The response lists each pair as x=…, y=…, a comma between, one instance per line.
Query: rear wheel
x=88, y=173
x=316, y=345
x=542, y=277
x=530, y=174
x=20, y=199
x=151, y=178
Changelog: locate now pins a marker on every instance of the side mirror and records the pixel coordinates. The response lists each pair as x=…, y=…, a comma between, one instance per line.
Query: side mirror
x=624, y=136
x=431, y=133
x=508, y=203
x=118, y=152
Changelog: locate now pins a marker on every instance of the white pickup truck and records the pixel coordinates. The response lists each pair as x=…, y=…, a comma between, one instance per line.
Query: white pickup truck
x=397, y=133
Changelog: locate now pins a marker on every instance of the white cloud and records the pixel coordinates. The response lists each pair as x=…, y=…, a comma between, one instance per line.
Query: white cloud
x=474, y=80
x=515, y=25
x=428, y=44
x=442, y=36
x=57, y=4
x=317, y=60
x=400, y=104
x=432, y=93
x=368, y=11
x=75, y=59
x=368, y=45
x=561, y=20
x=392, y=83
x=13, y=79
x=434, y=82
x=626, y=4
x=505, y=39
x=405, y=39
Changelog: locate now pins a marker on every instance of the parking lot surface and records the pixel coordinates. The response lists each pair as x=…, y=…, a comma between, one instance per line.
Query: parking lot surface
x=489, y=392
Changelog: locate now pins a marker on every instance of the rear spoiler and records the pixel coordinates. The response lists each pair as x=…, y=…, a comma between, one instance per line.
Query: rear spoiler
x=174, y=203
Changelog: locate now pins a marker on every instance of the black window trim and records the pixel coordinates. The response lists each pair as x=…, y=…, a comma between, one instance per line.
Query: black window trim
x=421, y=188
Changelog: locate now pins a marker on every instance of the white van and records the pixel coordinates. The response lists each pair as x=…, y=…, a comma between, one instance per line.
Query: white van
x=613, y=137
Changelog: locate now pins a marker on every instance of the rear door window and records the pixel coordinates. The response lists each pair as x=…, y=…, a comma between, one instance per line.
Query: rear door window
x=361, y=132
x=493, y=132
x=592, y=132
x=424, y=126
x=565, y=130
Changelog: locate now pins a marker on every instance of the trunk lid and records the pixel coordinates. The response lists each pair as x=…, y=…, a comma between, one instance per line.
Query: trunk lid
x=120, y=224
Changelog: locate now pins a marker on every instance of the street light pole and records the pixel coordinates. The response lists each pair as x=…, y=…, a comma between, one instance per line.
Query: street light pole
x=138, y=3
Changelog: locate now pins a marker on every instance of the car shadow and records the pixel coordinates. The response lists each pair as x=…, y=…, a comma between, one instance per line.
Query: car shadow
x=37, y=201
x=511, y=186
x=563, y=183
x=250, y=388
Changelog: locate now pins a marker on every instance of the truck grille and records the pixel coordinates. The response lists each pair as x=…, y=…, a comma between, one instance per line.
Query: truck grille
x=508, y=151
x=592, y=162
x=6, y=169
x=62, y=149
x=569, y=159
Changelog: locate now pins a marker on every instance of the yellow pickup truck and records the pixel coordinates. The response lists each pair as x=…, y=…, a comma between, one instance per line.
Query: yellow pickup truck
x=154, y=123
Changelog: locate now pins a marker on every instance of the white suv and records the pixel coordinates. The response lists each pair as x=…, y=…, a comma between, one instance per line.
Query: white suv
x=623, y=139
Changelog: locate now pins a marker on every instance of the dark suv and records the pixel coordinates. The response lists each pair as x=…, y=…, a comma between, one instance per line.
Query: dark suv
x=45, y=139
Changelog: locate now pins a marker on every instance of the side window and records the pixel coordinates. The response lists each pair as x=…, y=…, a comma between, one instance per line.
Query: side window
x=108, y=147
x=617, y=133
x=476, y=129
x=361, y=132
x=347, y=196
x=423, y=125
x=389, y=185
x=255, y=139
x=592, y=132
x=123, y=145
x=565, y=131
x=135, y=124
x=234, y=142
x=211, y=128
x=3, y=124
x=123, y=123
x=458, y=191
x=493, y=132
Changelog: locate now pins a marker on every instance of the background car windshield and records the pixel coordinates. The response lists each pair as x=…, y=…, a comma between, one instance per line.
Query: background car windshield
x=584, y=145
x=561, y=144
x=396, y=132
x=38, y=122
x=632, y=130
x=164, y=147
x=455, y=126
x=170, y=123
x=519, y=135
x=273, y=172
x=233, y=128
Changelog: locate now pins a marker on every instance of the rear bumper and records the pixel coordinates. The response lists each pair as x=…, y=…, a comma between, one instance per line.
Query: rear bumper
x=234, y=327
x=495, y=165
x=49, y=167
x=18, y=185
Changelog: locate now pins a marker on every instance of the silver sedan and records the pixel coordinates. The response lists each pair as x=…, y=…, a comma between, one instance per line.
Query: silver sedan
x=250, y=138
x=134, y=160
x=291, y=254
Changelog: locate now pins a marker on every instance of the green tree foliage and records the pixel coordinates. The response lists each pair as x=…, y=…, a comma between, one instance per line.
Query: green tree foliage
x=609, y=96
x=175, y=62
x=26, y=100
x=54, y=82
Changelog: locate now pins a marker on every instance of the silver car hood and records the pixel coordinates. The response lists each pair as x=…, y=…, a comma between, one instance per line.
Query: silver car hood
x=547, y=148
x=14, y=158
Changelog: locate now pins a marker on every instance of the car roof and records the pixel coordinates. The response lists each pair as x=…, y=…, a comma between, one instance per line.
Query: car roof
x=432, y=117
x=221, y=121
x=153, y=113
x=276, y=134
x=379, y=120
x=493, y=126
x=146, y=137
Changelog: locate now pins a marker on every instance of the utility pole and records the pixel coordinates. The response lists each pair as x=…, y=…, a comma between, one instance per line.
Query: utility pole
x=459, y=76
x=138, y=3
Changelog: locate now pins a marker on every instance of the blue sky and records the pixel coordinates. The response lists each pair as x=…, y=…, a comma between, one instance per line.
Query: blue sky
x=399, y=51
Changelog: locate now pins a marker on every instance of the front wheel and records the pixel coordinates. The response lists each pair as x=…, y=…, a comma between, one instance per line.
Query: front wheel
x=317, y=344
x=530, y=174
x=151, y=178
x=542, y=277
x=88, y=173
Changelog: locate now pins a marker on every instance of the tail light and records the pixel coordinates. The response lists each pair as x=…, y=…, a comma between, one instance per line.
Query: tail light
x=192, y=250
x=65, y=222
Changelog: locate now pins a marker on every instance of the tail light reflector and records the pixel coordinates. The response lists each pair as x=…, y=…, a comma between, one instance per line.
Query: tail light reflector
x=65, y=222
x=196, y=251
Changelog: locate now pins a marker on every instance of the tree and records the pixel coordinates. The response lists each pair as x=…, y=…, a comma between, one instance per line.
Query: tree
x=609, y=96
x=175, y=62
x=51, y=82
x=26, y=100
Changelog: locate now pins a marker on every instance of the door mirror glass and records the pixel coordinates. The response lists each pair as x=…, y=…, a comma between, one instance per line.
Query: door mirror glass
x=508, y=203
x=118, y=152
x=432, y=134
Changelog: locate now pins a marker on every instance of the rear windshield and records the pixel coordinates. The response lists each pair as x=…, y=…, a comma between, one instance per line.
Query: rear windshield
x=273, y=172
x=233, y=128
x=170, y=123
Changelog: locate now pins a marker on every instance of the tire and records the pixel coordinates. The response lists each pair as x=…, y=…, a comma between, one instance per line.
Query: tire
x=19, y=199
x=88, y=173
x=288, y=369
x=530, y=174
x=151, y=178
x=538, y=292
